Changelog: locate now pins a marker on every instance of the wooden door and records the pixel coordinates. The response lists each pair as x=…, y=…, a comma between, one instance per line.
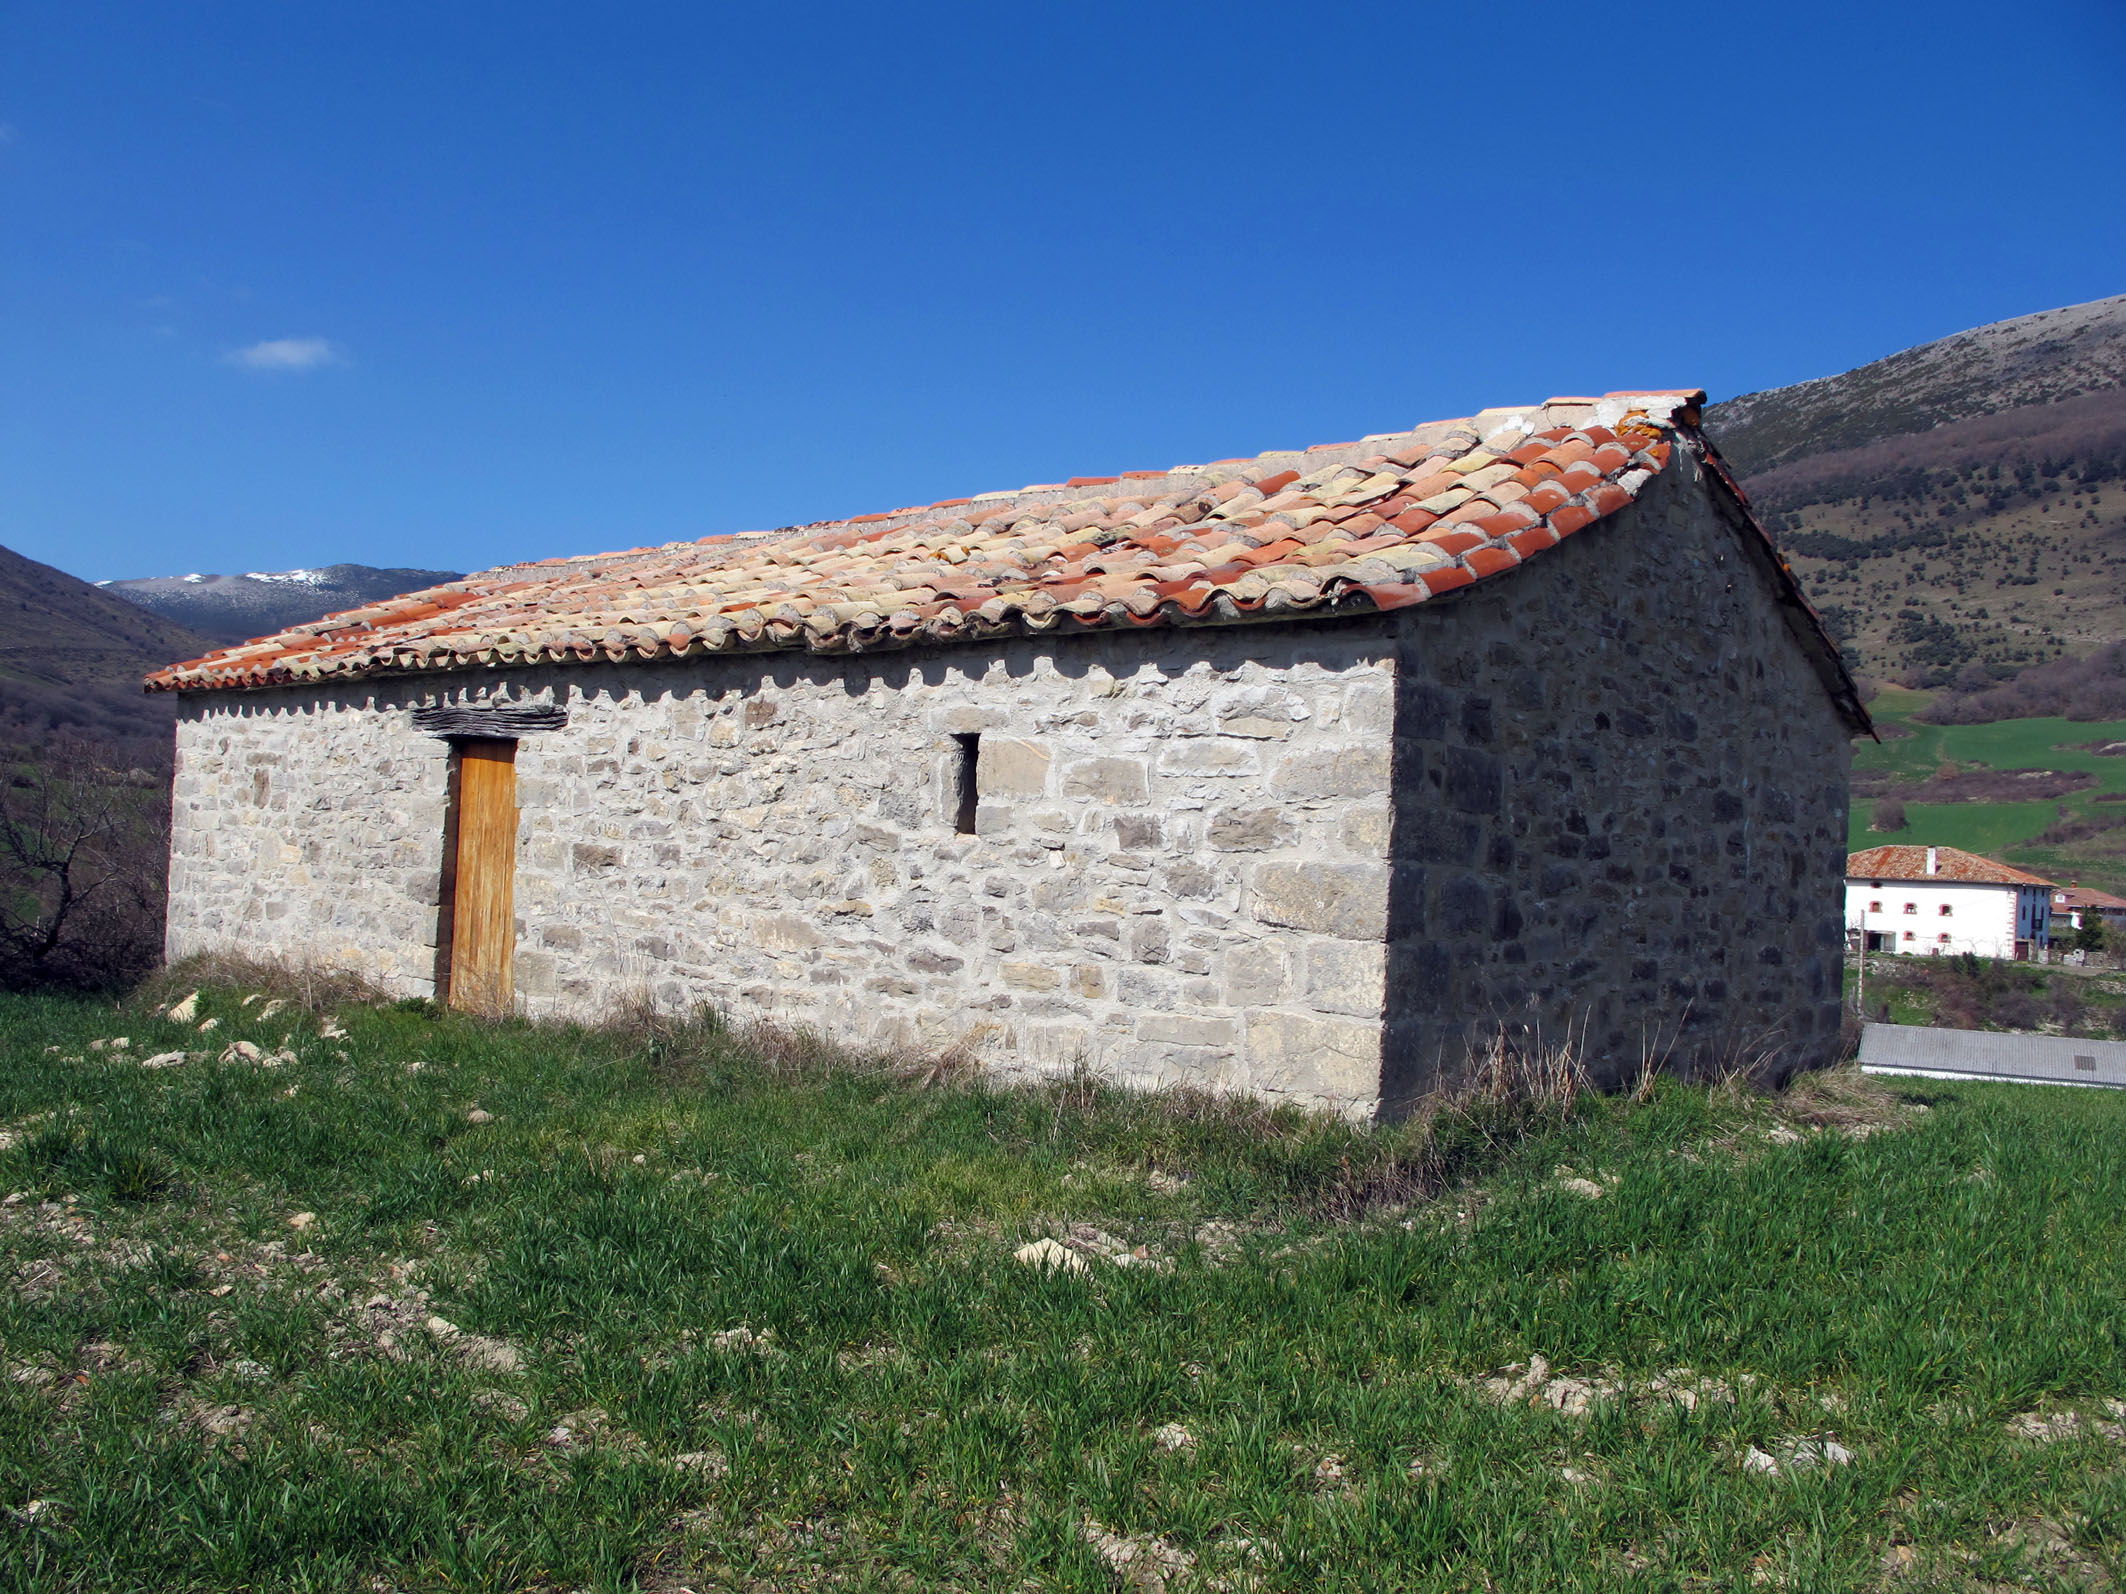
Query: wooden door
x=483, y=920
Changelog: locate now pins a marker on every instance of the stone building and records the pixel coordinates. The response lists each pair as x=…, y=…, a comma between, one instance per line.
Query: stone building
x=1299, y=774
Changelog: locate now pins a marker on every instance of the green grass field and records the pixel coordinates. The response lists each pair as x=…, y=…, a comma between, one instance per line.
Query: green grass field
x=684, y=1315
x=2000, y=830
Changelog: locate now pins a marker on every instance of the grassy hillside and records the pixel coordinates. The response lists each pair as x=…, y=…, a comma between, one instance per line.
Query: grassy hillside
x=2032, y=360
x=1958, y=509
x=439, y=1305
x=2016, y=832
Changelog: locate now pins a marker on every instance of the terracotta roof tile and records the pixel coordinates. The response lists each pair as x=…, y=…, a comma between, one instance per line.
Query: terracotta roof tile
x=1340, y=528
x=1950, y=863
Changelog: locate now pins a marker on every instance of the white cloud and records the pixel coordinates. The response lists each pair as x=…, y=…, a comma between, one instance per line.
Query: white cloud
x=286, y=354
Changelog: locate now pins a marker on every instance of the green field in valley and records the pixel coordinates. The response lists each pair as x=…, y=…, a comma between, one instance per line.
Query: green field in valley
x=2005, y=830
x=436, y=1305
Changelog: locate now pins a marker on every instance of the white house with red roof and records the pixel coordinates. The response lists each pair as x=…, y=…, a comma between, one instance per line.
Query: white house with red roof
x=1943, y=900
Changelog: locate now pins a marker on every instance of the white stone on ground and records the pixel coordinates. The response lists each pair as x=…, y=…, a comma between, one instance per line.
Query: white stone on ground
x=743, y=1338
x=1796, y=1453
x=2046, y=1428
x=1144, y=1563
x=1049, y=1256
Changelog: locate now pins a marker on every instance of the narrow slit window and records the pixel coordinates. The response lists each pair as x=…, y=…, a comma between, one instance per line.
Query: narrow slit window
x=964, y=794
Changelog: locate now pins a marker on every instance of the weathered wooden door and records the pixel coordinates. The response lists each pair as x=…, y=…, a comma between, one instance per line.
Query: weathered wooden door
x=483, y=920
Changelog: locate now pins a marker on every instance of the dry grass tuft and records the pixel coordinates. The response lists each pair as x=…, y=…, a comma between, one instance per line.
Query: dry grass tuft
x=686, y=1044
x=315, y=989
x=1843, y=1098
x=1518, y=1068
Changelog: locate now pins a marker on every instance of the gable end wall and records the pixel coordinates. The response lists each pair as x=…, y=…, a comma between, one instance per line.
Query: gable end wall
x=1620, y=808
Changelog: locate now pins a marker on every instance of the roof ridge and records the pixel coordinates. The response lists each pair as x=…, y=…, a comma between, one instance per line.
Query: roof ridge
x=1895, y=853
x=1682, y=407
x=1380, y=523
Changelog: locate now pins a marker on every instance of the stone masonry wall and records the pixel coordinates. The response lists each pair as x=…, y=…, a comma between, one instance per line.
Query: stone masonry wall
x=308, y=827
x=1620, y=808
x=1178, y=871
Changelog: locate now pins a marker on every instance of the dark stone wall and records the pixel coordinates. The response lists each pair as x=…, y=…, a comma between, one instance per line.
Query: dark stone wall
x=1620, y=810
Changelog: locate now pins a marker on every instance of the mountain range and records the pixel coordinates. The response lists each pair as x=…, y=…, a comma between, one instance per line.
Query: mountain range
x=260, y=602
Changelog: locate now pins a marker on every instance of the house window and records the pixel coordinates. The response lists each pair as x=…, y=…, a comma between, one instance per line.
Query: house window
x=1875, y=906
x=965, y=796
x=1943, y=938
x=1909, y=936
x=1911, y=907
x=1945, y=910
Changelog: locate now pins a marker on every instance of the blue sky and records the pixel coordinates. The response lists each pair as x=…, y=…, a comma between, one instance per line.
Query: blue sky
x=453, y=284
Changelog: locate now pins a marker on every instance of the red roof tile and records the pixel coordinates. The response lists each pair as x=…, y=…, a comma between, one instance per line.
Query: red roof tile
x=1282, y=536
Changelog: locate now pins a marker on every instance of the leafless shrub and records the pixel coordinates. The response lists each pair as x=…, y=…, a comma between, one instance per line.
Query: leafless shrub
x=2089, y=689
x=1952, y=785
x=2013, y=1008
x=84, y=856
x=2068, y=829
x=2067, y=1006
x=1850, y=1027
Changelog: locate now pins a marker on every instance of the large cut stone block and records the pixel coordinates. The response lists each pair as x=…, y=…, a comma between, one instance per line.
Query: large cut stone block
x=1360, y=771
x=1180, y=1029
x=1347, y=977
x=1010, y=766
x=784, y=932
x=1331, y=1059
x=1030, y=976
x=1209, y=755
x=1258, y=974
x=1251, y=830
x=1108, y=780
x=1349, y=900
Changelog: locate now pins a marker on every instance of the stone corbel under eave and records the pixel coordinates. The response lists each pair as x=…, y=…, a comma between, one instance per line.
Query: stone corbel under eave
x=496, y=721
